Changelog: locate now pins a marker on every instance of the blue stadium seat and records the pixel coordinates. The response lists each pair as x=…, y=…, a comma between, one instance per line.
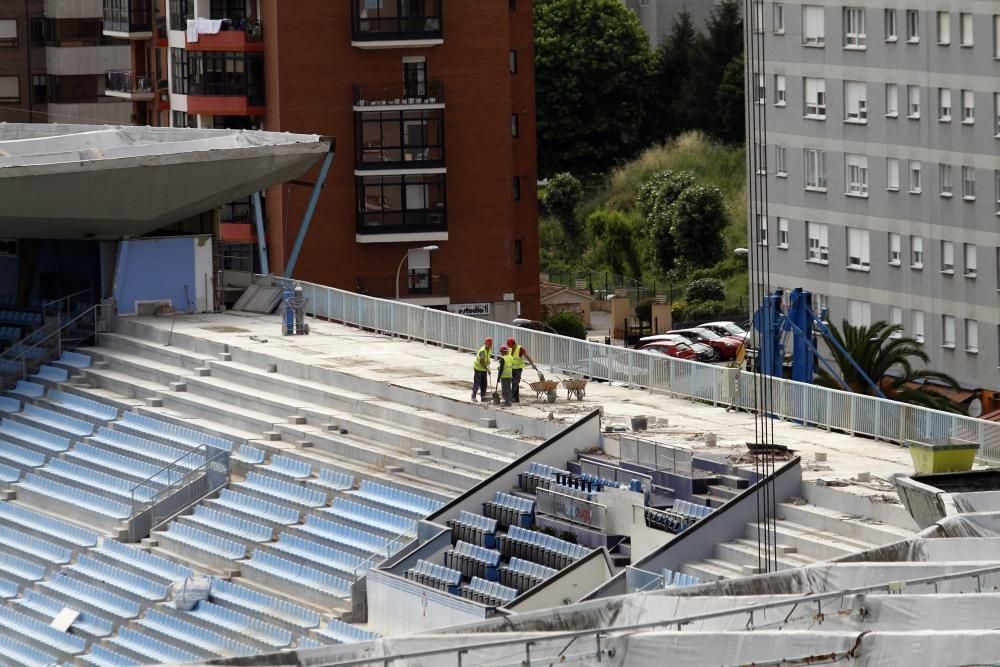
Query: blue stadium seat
x=286, y=491
x=339, y=533
x=70, y=494
x=21, y=457
x=9, y=405
x=135, y=468
x=262, y=603
x=47, y=525
x=392, y=497
x=21, y=653
x=94, y=596
x=369, y=516
x=56, y=421
x=28, y=389
x=34, y=547
x=245, y=625
x=143, y=560
x=345, y=633
x=206, y=541
x=85, y=407
x=334, y=480
x=50, y=607
x=8, y=588
x=490, y=592
x=248, y=455
x=40, y=632
x=227, y=523
x=152, y=649
x=9, y=474
x=119, y=578
x=194, y=635
x=349, y=565
x=242, y=503
x=182, y=435
x=50, y=374
x=436, y=576
x=99, y=656
x=299, y=574
x=20, y=568
x=288, y=467
x=75, y=359
x=36, y=438
x=101, y=483
x=130, y=444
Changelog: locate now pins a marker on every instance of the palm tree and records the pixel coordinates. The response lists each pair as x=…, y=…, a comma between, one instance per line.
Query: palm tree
x=887, y=357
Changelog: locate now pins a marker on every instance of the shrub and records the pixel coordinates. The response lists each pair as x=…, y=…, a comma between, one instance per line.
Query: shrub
x=705, y=289
x=679, y=311
x=562, y=196
x=568, y=536
x=568, y=324
x=644, y=310
x=705, y=310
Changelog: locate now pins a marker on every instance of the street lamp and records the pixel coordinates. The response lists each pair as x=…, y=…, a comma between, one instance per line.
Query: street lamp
x=428, y=248
x=742, y=252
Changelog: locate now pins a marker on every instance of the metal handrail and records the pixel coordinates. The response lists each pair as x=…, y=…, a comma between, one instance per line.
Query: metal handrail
x=51, y=344
x=48, y=305
x=410, y=534
x=181, y=480
x=750, y=610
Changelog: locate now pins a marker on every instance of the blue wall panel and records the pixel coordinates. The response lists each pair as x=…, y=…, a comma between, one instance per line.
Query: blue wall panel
x=156, y=270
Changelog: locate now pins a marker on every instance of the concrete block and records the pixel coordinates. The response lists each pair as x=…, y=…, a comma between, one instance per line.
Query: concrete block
x=178, y=386
x=488, y=422
x=420, y=451
x=203, y=372
x=820, y=457
x=149, y=542
x=305, y=444
x=751, y=569
x=864, y=477
x=392, y=470
x=229, y=574
x=8, y=494
x=272, y=435
x=154, y=402
x=783, y=549
x=331, y=427
x=272, y=368
x=99, y=365
x=296, y=419
x=121, y=534
x=225, y=356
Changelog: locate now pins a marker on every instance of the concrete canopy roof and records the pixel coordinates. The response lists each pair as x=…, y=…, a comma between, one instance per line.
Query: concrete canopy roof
x=109, y=182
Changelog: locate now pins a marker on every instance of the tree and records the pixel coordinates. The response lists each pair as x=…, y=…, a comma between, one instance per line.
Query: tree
x=729, y=102
x=887, y=358
x=722, y=43
x=655, y=198
x=697, y=220
x=568, y=324
x=562, y=196
x=672, y=109
x=613, y=239
x=705, y=289
x=592, y=67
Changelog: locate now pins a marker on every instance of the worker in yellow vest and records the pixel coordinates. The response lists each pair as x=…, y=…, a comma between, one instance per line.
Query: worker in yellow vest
x=506, y=372
x=520, y=355
x=481, y=369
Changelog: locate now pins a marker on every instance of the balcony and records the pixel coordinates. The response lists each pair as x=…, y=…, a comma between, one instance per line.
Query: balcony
x=411, y=94
x=240, y=34
x=396, y=24
x=399, y=140
x=161, y=31
x=128, y=19
x=419, y=286
x=401, y=208
x=128, y=85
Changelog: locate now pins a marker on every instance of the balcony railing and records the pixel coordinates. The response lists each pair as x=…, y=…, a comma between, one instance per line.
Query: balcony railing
x=161, y=27
x=128, y=16
x=399, y=94
x=402, y=222
x=127, y=81
x=253, y=29
x=399, y=157
x=414, y=285
x=395, y=21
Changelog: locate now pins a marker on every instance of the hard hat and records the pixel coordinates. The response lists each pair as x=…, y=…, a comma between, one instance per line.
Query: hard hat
x=511, y=342
x=488, y=341
x=504, y=348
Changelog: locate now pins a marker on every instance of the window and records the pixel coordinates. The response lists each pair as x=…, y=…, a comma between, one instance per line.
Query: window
x=761, y=90
x=889, y=19
x=516, y=189
x=969, y=252
x=996, y=191
x=892, y=100
x=916, y=252
x=968, y=107
x=39, y=88
x=996, y=36
x=8, y=33
x=856, y=101
x=512, y=5
x=944, y=177
x=913, y=101
x=918, y=326
x=857, y=175
x=758, y=16
x=859, y=313
x=965, y=26
x=779, y=19
x=815, y=169
x=181, y=119
x=10, y=88
x=817, y=243
x=895, y=249
x=947, y=257
x=971, y=336
x=944, y=105
x=512, y=60
x=854, y=27
x=218, y=73
x=858, y=249
x=968, y=183
x=762, y=229
x=948, y=331
x=943, y=28
x=781, y=160
x=892, y=174
x=415, y=77
x=896, y=318
x=915, y=183
x=813, y=29
x=912, y=26
x=780, y=93
x=815, y=98
x=996, y=115
x=518, y=251
x=783, y=233
x=515, y=129
x=401, y=204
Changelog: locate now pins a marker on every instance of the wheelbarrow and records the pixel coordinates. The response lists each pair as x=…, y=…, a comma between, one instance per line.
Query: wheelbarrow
x=576, y=388
x=545, y=390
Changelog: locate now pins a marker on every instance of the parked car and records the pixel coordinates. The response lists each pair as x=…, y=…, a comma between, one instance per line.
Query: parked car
x=725, y=347
x=671, y=348
x=726, y=329
x=702, y=352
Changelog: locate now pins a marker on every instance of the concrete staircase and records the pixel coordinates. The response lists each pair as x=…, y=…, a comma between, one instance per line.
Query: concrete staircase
x=804, y=533
x=341, y=425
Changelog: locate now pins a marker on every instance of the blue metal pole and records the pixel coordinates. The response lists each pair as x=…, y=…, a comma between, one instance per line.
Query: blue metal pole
x=313, y=200
x=265, y=268
x=830, y=338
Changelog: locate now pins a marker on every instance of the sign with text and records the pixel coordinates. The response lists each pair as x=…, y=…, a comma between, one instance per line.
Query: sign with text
x=473, y=309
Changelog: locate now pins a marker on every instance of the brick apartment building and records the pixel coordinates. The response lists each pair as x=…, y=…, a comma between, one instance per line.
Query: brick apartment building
x=432, y=106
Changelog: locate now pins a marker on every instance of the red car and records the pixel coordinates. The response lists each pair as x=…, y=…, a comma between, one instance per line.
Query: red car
x=675, y=349
x=724, y=346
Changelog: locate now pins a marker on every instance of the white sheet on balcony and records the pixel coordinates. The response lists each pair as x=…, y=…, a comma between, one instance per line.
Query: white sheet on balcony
x=202, y=26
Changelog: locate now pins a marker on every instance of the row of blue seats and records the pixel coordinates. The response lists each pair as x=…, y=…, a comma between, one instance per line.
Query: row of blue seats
x=101, y=483
x=298, y=574
x=9, y=474
x=41, y=633
x=474, y=528
x=286, y=491
x=547, y=542
x=248, y=455
x=288, y=467
x=21, y=653
x=93, y=596
x=50, y=374
x=120, y=578
x=78, y=497
x=342, y=534
x=187, y=437
x=85, y=407
x=369, y=516
x=347, y=565
x=135, y=468
x=101, y=656
x=131, y=444
x=20, y=569
x=334, y=480
x=39, y=439
x=47, y=525
x=10, y=333
x=473, y=561
x=9, y=405
x=49, y=607
x=488, y=592
x=510, y=510
x=152, y=564
x=152, y=650
x=345, y=633
x=262, y=603
x=523, y=574
x=435, y=576
x=195, y=635
x=673, y=579
x=247, y=626
x=34, y=547
x=21, y=457
x=74, y=359
x=668, y=521
x=253, y=506
x=26, y=317
x=392, y=497
x=205, y=541
x=231, y=525
x=28, y=389
x=690, y=509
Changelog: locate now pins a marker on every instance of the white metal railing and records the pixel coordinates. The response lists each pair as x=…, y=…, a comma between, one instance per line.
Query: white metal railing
x=571, y=508
x=831, y=409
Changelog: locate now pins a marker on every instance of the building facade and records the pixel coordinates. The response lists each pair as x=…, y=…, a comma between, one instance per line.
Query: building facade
x=883, y=168
x=657, y=16
x=431, y=103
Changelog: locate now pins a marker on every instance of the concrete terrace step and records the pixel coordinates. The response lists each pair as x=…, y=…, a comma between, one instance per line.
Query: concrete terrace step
x=837, y=522
x=173, y=355
x=820, y=545
x=743, y=552
x=712, y=569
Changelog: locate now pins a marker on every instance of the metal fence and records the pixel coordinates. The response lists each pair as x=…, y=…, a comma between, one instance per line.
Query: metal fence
x=793, y=401
x=578, y=510
x=657, y=455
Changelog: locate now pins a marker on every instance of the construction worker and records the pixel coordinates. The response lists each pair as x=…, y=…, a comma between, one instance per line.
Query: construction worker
x=519, y=354
x=481, y=369
x=506, y=372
